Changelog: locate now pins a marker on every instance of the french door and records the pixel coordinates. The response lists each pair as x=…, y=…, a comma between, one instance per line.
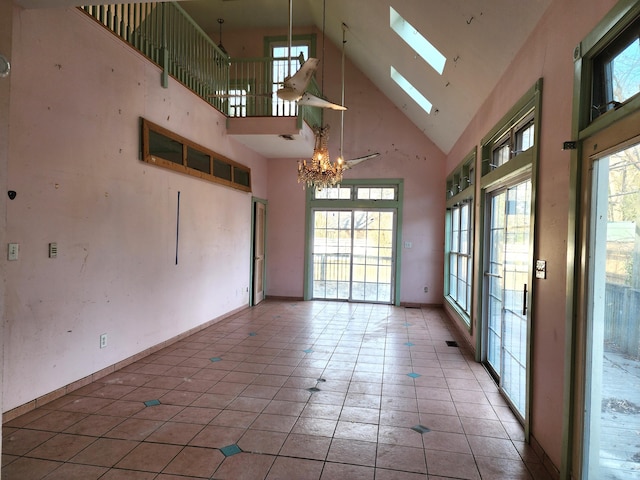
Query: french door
x=352, y=255
x=612, y=368
x=506, y=289
x=259, y=230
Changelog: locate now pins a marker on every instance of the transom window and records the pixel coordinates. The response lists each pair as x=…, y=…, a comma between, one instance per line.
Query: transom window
x=359, y=192
x=616, y=76
x=514, y=141
x=166, y=149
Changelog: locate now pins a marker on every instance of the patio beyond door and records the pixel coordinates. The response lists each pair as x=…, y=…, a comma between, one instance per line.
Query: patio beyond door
x=353, y=252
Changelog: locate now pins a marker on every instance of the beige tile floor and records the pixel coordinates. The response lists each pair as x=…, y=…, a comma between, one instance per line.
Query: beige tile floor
x=285, y=390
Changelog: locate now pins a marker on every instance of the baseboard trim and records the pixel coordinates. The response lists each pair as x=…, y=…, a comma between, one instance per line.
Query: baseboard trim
x=71, y=387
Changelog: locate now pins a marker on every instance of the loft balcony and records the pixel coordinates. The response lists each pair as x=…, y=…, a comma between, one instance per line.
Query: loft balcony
x=243, y=89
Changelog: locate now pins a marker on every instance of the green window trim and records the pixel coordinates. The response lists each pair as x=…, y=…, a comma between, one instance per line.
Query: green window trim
x=460, y=189
x=353, y=202
x=583, y=127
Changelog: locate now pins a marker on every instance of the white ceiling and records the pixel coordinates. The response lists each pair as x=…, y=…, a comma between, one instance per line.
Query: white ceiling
x=479, y=38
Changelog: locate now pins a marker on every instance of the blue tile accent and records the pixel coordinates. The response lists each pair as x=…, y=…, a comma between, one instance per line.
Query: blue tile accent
x=406, y=324
x=215, y=359
x=409, y=344
x=313, y=389
x=413, y=375
x=308, y=350
x=152, y=403
x=421, y=429
x=230, y=450
x=252, y=334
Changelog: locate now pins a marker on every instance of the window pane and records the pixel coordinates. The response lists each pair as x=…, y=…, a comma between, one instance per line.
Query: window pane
x=615, y=71
x=333, y=193
x=376, y=193
x=455, y=229
x=624, y=72
x=464, y=228
x=240, y=176
x=500, y=155
x=524, y=138
x=221, y=169
x=198, y=160
x=165, y=147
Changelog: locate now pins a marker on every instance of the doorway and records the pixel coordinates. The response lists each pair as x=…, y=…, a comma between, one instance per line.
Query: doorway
x=506, y=289
x=258, y=266
x=352, y=255
x=612, y=383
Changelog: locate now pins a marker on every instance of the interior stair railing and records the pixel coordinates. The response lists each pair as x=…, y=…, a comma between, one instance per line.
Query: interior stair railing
x=169, y=37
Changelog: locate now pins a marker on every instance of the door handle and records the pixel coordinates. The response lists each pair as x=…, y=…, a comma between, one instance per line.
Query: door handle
x=524, y=300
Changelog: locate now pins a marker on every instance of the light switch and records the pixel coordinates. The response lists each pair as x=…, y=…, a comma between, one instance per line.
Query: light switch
x=541, y=269
x=13, y=251
x=408, y=245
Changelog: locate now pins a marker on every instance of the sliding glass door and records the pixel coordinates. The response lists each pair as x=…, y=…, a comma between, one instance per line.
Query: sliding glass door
x=353, y=251
x=612, y=387
x=506, y=290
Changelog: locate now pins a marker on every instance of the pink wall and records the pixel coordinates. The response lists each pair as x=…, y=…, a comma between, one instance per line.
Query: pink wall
x=372, y=124
x=77, y=95
x=548, y=54
x=6, y=22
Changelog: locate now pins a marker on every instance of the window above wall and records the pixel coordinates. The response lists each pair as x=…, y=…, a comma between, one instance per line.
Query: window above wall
x=166, y=149
x=616, y=71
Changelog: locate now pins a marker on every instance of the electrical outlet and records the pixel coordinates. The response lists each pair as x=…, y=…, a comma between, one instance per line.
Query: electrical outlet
x=426, y=289
x=103, y=340
x=14, y=248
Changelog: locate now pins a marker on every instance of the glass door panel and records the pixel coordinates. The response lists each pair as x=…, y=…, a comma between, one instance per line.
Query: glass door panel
x=353, y=255
x=506, y=290
x=612, y=420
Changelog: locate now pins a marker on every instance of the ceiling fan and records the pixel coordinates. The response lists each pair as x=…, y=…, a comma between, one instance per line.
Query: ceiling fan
x=294, y=86
x=354, y=161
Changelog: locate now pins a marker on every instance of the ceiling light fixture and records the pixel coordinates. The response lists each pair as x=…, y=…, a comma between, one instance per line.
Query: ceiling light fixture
x=320, y=172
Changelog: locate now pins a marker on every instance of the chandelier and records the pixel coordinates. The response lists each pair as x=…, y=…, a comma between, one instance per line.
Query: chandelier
x=320, y=172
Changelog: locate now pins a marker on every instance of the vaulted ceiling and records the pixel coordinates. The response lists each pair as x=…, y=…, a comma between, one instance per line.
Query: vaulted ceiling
x=479, y=38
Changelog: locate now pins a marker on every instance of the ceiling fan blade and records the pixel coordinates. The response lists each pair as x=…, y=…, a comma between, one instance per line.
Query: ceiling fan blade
x=312, y=101
x=355, y=161
x=293, y=87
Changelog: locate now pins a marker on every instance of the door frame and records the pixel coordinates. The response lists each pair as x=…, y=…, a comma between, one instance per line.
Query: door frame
x=397, y=204
x=252, y=273
x=522, y=165
x=586, y=134
x=488, y=192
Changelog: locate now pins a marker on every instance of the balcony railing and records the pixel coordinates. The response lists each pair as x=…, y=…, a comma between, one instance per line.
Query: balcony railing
x=169, y=37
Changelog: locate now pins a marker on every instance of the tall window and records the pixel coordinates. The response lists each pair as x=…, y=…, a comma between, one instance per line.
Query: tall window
x=302, y=47
x=459, y=247
x=460, y=257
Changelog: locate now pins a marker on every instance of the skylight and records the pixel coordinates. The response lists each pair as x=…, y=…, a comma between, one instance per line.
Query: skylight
x=411, y=90
x=415, y=40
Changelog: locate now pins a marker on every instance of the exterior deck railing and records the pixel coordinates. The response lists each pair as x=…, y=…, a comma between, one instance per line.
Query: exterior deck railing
x=169, y=37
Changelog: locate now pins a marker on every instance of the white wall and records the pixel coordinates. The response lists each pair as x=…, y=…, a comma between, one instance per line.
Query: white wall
x=77, y=96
